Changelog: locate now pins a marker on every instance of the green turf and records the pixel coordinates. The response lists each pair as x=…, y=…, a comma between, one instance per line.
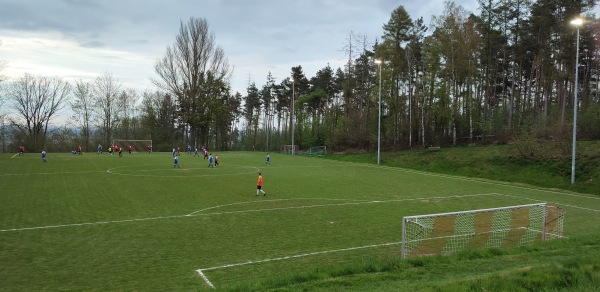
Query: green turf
x=100, y=222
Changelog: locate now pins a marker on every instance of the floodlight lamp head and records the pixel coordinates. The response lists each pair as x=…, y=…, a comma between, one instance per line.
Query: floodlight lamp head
x=577, y=21
x=378, y=61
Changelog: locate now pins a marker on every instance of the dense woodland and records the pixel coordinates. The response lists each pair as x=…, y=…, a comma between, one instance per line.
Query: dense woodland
x=503, y=73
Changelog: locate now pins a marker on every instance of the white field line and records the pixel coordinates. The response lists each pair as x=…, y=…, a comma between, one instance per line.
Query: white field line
x=206, y=279
x=91, y=223
x=201, y=271
x=45, y=173
x=14, y=155
x=484, y=181
x=224, y=213
x=339, y=204
x=556, y=203
x=277, y=200
x=112, y=171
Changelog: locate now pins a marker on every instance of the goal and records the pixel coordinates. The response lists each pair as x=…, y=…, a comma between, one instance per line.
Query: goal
x=448, y=233
x=136, y=145
x=289, y=149
x=316, y=150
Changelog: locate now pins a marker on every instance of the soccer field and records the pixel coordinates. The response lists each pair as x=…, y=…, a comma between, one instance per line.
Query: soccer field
x=100, y=222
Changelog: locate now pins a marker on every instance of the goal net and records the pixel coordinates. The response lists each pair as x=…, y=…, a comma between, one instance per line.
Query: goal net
x=136, y=145
x=288, y=149
x=316, y=150
x=448, y=233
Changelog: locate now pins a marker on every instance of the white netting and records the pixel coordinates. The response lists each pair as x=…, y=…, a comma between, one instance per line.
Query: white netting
x=316, y=150
x=498, y=227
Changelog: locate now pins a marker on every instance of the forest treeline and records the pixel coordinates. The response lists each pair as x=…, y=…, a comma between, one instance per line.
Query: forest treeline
x=503, y=73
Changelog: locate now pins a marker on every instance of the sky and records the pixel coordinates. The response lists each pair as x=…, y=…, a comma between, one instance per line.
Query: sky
x=85, y=38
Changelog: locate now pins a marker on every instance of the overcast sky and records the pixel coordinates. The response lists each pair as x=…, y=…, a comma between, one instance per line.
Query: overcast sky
x=83, y=39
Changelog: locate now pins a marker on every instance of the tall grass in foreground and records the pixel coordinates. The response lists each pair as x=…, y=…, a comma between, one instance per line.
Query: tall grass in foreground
x=564, y=265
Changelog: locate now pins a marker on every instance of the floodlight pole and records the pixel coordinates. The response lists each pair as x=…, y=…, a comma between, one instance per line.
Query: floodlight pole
x=293, y=114
x=379, y=118
x=577, y=23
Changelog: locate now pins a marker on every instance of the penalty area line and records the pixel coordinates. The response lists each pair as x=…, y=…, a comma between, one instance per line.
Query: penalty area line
x=209, y=283
x=196, y=214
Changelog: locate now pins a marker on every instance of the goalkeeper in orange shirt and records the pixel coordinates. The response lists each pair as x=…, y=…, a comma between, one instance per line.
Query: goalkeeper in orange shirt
x=259, y=185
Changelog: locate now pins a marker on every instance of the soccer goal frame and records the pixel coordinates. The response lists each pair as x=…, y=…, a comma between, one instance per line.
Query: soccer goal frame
x=448, y=233
x=136, y=145
x=316, y=151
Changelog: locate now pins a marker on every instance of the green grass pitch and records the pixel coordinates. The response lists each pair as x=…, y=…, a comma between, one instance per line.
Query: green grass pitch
x=100, y=222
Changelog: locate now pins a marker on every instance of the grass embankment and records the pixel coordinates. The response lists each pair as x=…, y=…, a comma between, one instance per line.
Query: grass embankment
x=571, y=264
x=562, y=265
x=498, y=162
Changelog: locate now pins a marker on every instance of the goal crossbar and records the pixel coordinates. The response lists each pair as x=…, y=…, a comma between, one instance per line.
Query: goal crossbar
x=474, y=211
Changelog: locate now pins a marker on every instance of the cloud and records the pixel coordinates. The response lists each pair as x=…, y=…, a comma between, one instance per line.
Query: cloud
x=126, y=37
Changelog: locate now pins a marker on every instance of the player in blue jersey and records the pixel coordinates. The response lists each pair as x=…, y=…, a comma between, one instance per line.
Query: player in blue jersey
x=196, y=153
x=99, y=149
x=44, y=155
x=210, y=161
x=175, y=161
x=189, y=149
x=268, y=159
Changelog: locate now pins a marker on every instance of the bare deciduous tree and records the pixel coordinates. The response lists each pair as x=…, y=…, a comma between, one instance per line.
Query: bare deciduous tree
x=82, y=106
x=193, y=70
x=127, y=102
x=106, y=92
x=37, y=100
x=3, y=64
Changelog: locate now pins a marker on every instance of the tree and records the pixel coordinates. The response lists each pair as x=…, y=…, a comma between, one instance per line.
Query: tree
x=126, y=114
x=252, y=112
x=396, y=34
x=3, y=65
x=193, y=70
x=106, y=92
x=82, y=107
x=37, y=100
x=3, y=127
x=159, y=120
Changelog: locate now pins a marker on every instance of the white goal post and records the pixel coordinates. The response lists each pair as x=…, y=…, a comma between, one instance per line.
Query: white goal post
x=136, y=145
x=447, y=233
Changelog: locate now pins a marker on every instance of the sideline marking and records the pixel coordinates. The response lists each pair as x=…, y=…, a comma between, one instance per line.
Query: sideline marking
x=201, y=271
x=14, y=155
x=224, y=213
x=44, y=173
x=556, y=203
